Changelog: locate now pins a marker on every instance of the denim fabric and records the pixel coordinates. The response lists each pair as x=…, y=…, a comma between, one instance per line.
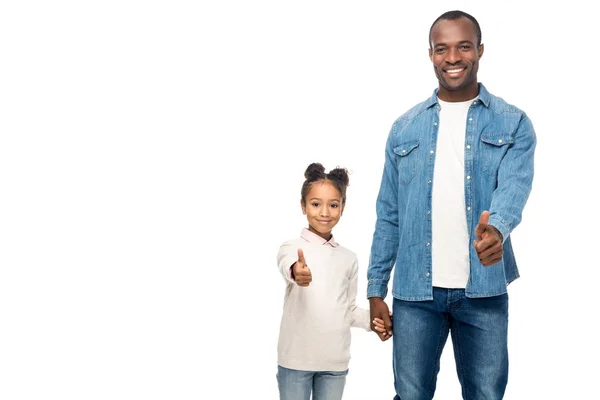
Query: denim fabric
x=499, y=149
x=479, y=336
x=298, y=385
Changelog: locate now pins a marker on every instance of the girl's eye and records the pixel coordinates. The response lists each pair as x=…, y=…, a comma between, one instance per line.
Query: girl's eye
x=334, y=206
x=315, y=204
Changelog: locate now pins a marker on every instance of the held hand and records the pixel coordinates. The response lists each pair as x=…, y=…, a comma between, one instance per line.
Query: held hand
x=379, y=326
x=489, y=241
x=379, y=310
x=302, y=274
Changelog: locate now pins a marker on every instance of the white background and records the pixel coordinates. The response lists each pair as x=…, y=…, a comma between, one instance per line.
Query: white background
x=151, y=159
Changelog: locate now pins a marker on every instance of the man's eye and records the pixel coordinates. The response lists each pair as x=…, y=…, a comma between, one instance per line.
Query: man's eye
x=465, y=47
x=440, y=50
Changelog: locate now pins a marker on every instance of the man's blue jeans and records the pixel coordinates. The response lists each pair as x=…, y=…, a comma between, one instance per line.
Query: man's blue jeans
x=479, y=329
x=298, y=385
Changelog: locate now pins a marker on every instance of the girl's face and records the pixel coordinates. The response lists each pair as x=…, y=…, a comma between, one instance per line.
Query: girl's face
x=323, y=208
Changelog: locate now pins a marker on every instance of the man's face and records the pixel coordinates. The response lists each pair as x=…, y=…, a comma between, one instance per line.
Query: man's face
x=455, y=57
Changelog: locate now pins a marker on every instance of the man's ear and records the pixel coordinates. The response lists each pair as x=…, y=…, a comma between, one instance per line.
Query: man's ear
x=430, y=54
x=480, y=50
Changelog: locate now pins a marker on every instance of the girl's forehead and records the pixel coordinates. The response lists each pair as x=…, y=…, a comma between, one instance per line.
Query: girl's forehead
x=323, y=188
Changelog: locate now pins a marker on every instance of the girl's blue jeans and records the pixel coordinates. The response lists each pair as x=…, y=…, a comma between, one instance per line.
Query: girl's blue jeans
x=298, y=385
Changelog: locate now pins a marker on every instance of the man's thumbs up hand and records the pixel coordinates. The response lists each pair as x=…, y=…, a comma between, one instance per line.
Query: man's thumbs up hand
x=488, y=243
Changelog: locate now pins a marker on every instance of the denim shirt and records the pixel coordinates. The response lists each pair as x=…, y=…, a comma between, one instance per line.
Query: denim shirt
x=499, y=148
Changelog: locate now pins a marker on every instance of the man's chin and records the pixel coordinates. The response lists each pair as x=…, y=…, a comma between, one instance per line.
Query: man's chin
x=452, y=86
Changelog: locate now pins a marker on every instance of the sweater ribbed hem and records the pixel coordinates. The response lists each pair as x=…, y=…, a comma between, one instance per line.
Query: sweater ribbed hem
x=307, y=366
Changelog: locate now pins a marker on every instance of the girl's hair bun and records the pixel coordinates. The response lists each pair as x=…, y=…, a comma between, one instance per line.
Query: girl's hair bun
x=339, y=174
x=314, y=171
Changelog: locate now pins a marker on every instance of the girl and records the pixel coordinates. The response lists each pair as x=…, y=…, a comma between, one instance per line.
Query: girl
x=320, y=297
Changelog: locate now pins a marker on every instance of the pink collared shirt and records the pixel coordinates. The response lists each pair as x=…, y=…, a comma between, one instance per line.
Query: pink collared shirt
x=313, y=238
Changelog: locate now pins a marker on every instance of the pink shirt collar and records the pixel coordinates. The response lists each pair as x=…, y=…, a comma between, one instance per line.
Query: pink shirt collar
x=313, y=238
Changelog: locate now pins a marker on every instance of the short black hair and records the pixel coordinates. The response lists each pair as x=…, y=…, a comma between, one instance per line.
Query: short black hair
x=453, y=15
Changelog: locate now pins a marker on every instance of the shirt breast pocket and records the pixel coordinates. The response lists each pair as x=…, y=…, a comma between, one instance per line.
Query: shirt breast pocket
x=493, y=148
x=406, y=160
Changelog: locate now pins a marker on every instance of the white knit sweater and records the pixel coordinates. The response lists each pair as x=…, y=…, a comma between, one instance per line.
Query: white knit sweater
x=315, y=327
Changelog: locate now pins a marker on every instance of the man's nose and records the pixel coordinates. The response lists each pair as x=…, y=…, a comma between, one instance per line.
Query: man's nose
x=453, y=56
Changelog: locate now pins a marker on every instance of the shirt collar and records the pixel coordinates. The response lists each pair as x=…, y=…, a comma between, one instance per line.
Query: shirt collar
x=313, y=238
x=484, y=96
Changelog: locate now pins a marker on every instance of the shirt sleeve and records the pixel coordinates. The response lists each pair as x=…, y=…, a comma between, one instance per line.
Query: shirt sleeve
x=515, y=177
x=286, y=257
x=360, y=316
x=386, y=238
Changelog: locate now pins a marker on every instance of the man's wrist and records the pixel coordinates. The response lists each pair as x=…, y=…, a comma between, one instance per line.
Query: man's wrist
x=497, y=232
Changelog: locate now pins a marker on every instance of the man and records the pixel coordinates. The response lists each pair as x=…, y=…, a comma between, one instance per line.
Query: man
x=458, y=172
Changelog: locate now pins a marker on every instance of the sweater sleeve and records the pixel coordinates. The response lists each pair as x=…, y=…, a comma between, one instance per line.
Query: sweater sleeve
x=360, y=316
x=286, y=257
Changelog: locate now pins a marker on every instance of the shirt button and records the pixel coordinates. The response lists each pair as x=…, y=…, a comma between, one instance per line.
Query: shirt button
x=428, y=244
x=435, y=123
x=429, y=181
x=500, y=141
x=468, y=176
x=468, y=208
x=470, y=119
x=430, y=151
x=427, y=274
x=428, y=212
x=468, y=146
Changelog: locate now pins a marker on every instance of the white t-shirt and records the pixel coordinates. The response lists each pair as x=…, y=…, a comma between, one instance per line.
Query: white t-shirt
x=315, y=326
x=450, y=235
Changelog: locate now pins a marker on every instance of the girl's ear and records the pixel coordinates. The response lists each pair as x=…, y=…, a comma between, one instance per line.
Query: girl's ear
x=303, y=205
